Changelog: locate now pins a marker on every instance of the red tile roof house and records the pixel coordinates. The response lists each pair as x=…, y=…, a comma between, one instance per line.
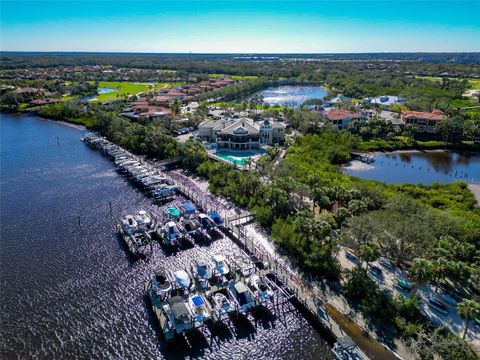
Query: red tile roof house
x=140, y=106
x=341, y=118
x=423, y=121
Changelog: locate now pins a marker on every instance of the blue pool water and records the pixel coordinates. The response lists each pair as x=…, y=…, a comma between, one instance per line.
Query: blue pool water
x=238, y=157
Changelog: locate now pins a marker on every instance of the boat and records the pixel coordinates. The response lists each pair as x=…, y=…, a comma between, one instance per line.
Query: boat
x=200, y=309
x=221, y=267
x=182, y=279
x=243, y=265
x=216, y=218
x=405, y=284
x=188, y=208
x=203, y=271
x=173, y=212
x=222, y=303
x=242, y=295
x=162, y=281
x=129, y=224
x=346, y=349
x=145, y=221
x=206, y=223
x=261, y=287
x=178, y=313
x=138, y=244
x=170, y=233
x=190, y=224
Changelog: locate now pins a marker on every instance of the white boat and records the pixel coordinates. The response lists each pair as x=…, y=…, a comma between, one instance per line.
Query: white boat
x=170, y=233
x=242, y=295
x=206, y=223
x=143, y=218
x=222, y=304
x=178, y=314
x=129, y=224
x=182, y=279
x=200, y=308
x=242, y=265
x=346, y=349
x=221, y=266
x=261, y=287
x=203, y=270
x=190, y=224
x=162, y=281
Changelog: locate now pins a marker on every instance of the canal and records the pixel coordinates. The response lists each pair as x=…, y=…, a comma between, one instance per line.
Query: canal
x=70, y=290
x=425, y=167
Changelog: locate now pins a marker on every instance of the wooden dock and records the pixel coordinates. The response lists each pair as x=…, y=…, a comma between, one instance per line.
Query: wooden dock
x=313, y=303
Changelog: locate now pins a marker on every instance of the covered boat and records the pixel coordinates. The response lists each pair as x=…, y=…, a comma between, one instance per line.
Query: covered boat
x=216, y=218
x=200, y=309
x=242, y=295
x=129, y=224
x=346, y=349
x=162, y=281
x=179, y=314
x=188, y=208
x=221, y=266
x=170, y=233
x=262, y=288
x=182, y=279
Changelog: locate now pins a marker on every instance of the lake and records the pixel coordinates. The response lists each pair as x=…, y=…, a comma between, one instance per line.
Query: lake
x=292, y=96
x=101, y=90
x=418, y=167
x=71, y=291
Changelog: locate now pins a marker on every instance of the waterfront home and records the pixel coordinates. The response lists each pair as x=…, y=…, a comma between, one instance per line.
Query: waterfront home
x=341, y=118
x=46, y=101
x=423, y=121
x=241, y=133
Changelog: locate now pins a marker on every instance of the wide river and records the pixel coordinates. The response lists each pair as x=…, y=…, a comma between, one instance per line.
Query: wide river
x=70, y=291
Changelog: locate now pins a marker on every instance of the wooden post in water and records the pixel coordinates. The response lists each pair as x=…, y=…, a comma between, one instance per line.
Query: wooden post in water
x=78, y=219
x=110, y=206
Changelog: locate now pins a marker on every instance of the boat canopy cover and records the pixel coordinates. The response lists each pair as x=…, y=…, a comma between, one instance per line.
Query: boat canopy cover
x=189, y=208
x=197, y=301
x=179, y=309
x=172, y=210
x=217, y=219
x=240, y=287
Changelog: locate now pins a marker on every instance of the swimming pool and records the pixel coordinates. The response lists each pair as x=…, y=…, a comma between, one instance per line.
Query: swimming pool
x=238, y=157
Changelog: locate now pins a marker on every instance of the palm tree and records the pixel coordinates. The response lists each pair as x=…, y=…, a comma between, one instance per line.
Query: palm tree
x=421, y=271
x=368, y=253
x=468, y=310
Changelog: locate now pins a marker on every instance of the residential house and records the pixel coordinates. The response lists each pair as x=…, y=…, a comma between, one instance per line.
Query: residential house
x=341, y=118
x=423, y=121
x=242, y=133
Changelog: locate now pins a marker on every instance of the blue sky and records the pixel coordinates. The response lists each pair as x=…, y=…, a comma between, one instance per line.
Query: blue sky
x=240, y=26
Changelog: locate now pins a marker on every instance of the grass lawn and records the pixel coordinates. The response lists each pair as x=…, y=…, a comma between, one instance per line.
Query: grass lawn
x=474, y=84
x=128, y=88
x=234, y=77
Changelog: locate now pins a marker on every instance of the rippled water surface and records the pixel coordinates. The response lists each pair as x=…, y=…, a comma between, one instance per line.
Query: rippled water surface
x=419, y=167
x=70, y=291
x=292, y=96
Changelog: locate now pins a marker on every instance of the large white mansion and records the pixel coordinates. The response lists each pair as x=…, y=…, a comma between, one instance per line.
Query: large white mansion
x=241, y=133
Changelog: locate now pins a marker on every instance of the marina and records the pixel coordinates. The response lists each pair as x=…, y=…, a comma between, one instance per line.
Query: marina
x=97, y=302
x=267, y=281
